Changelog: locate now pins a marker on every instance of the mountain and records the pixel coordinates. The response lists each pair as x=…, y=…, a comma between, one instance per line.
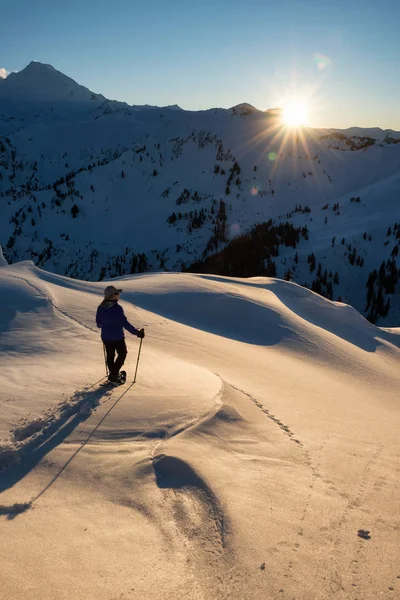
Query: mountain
x=93, y=188
x=42, y=82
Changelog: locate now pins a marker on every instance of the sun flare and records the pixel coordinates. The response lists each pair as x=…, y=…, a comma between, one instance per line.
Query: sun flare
x=295, y=114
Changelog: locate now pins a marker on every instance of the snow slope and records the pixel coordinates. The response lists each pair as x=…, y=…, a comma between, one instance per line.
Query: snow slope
x=255, y=451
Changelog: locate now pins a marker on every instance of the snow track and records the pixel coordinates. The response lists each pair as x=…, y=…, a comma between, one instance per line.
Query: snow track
x=29, y=436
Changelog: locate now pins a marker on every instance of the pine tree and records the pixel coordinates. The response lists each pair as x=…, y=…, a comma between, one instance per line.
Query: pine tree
x=380, y=303
x=387, y=308
x=312, y=262
x=288, y=275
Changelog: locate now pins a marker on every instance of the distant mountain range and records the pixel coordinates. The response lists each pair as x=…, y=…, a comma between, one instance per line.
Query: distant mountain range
x=94, y=188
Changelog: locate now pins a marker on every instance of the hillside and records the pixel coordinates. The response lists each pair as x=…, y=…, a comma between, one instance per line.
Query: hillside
x=256, y=456
x=92, y=188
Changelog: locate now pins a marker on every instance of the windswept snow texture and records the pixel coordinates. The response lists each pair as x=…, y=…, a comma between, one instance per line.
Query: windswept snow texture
x=256, y=456
x=93, y=188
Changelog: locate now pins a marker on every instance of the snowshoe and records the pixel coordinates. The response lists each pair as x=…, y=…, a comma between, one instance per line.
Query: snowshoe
x=114, y=381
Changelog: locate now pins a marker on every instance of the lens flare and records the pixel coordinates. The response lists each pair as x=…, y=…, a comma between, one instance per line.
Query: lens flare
x=322, y=61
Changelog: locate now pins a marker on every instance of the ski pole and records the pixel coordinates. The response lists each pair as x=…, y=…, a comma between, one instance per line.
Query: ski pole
x=137, y=363
x=105, y=359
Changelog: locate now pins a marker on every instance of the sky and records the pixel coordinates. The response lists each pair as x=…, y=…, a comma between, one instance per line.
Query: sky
x=340, y=58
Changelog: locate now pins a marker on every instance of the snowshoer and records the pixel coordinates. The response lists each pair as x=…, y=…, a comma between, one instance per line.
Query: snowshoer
x=110, y=317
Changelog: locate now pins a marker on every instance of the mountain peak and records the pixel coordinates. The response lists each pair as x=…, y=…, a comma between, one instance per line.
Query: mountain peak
x=35, y=64
x=40, y=81
x=243, y=109
x=38, y=67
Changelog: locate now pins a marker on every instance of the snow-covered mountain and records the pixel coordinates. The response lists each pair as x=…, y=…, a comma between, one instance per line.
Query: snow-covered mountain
x=93, y=188
x=42, y=82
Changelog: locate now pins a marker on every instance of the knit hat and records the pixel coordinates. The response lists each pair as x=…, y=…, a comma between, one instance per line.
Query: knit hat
x=110, y=290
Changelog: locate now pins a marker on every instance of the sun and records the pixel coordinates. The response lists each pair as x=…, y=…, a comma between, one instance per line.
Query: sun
x=295, y=114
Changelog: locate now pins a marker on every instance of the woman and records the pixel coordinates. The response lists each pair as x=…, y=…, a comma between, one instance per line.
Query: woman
x=111, y=319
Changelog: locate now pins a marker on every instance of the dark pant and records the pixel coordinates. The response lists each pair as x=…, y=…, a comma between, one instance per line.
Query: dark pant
x=118, y=347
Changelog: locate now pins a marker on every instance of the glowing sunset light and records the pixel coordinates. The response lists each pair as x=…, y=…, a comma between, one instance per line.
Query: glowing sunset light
x=295, y=114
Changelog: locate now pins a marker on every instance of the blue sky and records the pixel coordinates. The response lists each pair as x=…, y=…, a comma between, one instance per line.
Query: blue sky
x=341, y=57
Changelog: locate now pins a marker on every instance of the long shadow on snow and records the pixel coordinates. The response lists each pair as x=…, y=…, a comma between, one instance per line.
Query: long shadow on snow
x=34, y=451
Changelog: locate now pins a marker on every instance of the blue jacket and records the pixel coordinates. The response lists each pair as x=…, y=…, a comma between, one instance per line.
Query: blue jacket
x=112, y=320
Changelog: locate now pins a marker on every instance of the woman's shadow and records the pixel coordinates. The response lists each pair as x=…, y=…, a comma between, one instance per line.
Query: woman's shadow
x=36, y=449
